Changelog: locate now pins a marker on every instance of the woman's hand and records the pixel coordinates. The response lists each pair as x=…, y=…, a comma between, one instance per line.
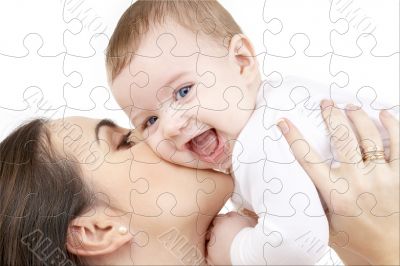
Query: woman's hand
x=367, y=208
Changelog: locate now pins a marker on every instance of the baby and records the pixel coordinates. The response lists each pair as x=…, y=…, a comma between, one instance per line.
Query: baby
x=188, y=79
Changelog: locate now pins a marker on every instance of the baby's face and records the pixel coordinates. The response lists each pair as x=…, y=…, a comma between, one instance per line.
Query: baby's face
x=189, y=107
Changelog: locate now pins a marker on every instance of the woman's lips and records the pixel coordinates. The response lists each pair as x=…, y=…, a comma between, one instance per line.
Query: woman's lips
x=208, y=146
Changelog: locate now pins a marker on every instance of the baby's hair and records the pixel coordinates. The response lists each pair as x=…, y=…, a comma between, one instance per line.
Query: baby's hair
x=207, y=16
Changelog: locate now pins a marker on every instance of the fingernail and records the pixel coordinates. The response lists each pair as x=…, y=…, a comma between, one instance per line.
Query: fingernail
x=283, y=126
x=326, y=103
x=352, y=107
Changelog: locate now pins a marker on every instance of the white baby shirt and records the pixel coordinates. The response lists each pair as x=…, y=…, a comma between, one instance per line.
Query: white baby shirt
x=292, y=228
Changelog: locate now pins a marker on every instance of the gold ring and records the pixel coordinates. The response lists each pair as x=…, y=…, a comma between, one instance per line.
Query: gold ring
x=373, y=156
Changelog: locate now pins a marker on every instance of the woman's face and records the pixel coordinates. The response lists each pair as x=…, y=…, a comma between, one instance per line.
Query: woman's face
x=159, y=201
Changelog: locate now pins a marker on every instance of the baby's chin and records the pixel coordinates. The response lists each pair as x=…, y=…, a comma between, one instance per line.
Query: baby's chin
x=196, y=164
x=222, y=167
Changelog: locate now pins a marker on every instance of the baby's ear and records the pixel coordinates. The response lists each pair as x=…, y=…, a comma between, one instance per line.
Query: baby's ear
x=241, y=53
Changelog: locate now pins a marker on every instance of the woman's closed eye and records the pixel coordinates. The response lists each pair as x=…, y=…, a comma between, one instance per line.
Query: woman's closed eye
x=126, y=141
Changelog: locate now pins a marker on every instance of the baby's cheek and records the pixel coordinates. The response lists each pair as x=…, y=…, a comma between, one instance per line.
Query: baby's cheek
x=162, y=147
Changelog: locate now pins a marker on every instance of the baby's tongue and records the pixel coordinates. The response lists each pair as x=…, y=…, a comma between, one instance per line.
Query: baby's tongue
x=205, y=143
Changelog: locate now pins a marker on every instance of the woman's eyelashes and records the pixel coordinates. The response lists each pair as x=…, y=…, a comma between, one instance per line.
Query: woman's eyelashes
x=126, y=142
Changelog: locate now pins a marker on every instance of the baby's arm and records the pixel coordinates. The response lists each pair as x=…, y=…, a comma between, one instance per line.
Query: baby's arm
x=271, y=242
x=224, y=229
x=238, y=240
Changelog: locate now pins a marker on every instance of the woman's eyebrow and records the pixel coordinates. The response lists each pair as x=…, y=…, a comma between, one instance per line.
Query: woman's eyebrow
x=103, y=122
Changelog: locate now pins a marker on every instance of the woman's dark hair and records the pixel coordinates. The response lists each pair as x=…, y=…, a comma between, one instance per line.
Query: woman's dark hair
x=40, y=193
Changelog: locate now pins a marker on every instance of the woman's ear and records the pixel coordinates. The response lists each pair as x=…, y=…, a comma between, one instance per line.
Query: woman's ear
x=241, y=53
x=96, y=235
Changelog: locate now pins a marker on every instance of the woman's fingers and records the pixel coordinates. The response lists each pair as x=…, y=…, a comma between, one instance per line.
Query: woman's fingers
x=305, y=155
x=370, y=138
x=342, y=136
x=392, y=126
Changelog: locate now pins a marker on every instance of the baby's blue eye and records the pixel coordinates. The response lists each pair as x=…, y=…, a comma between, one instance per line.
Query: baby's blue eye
x=151, y=121
x=182, y=92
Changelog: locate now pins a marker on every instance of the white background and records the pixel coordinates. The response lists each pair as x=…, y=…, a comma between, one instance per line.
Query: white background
x=52, y=51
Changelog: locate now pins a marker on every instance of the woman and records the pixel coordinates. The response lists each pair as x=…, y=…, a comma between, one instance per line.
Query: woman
x=79, y=187
x=81, y=191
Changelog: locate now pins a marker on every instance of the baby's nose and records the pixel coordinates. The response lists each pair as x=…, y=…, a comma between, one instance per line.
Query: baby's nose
x=173, y=124
x=172, y=128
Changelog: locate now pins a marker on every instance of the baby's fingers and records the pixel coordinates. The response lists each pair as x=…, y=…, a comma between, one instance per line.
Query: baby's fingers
x=305, y=155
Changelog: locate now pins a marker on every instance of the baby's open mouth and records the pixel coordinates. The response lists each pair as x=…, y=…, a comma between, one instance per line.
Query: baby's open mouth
x=207, y=145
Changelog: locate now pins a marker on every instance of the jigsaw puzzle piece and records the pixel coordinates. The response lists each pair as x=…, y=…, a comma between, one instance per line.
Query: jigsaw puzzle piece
x=280, y=189
x=95, y=19
x=175, y=238
x=364, y=17
x=316, y=25
x=226, y=92
x=181, y=213
x=88, y=68
x=370, y=75
x=107, y=213
x=162, y=181
x=307, y=236
x=235, y=8
x=170, y=40
x=35, y=104
x=290, y=95
x=50, y=66
x=379, y=205
x=338, y=185
x=80, y=144
x=50, y=26
x=342, y=224
x=143, y=75
x=309, y=68
x=77, y=145
x=135, y=80
x=100, y=104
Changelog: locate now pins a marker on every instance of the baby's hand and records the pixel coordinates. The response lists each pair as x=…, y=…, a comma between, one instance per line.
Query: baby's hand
x=223, y=230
